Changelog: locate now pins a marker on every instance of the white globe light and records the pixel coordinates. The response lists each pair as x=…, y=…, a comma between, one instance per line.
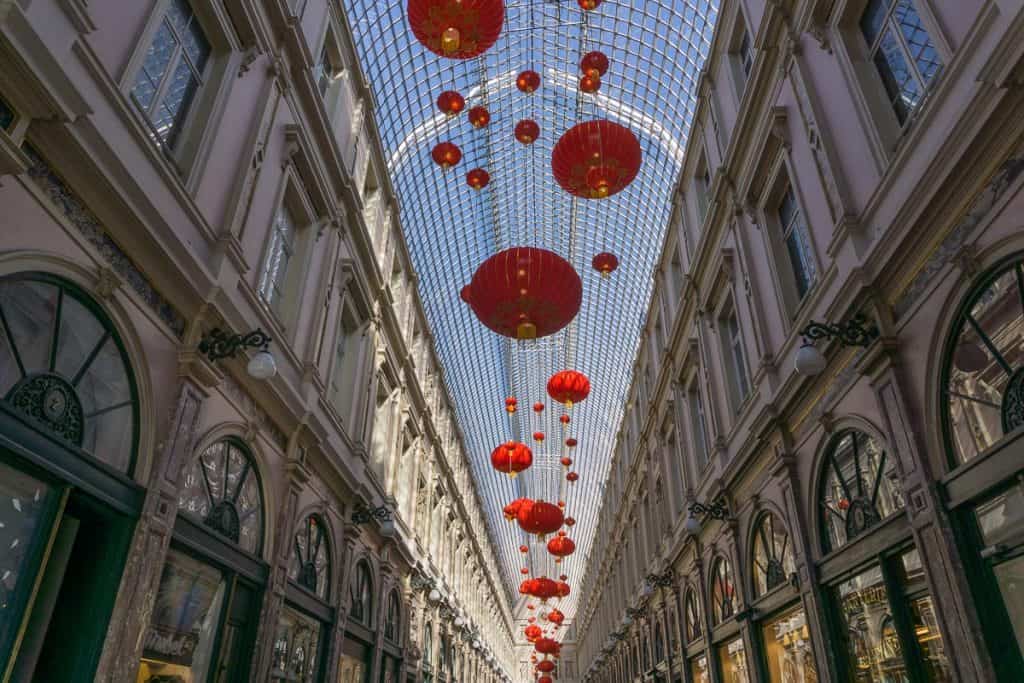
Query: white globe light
x=809, y=361
x=434, y=595
x=692, y=525
x=262, y=365
x=459, y=621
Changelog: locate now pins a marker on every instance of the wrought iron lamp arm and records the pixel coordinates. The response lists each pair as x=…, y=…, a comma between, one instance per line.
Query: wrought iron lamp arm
x=218, y=344
x=854, y=332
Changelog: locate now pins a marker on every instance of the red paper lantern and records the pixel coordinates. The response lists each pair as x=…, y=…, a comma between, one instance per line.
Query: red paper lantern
x=478, y=179
x=570, y=521
x=545, y=679
x=572, y=477
x=605, y=263
x=546, y=646
x=588, y=4
x=458, y=29
x=528, y=81
x=571, y=442
x=596, y=159
x=561, y=546
x=542, y=588
x=590, y=84
x=524, y=587
x=556, y=617
x=525, y=293
x=538, y=437
x=524, y=549
x=561, y=504
x=563, y=577
x=568, y=387
x=532, y=633
x=446, y=154
x=545, y=666
x=451, y=102
x=596, y=62
x=565, y=419
x=538, y=407
x=524, y=571
x=540, y=518
x=512, y=509
x=527, y=131
x=479, y=117
x=562, y=589
x=566, y=462
x=532, y=619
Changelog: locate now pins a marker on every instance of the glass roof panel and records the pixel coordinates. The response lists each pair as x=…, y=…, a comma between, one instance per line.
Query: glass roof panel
x=656, y=50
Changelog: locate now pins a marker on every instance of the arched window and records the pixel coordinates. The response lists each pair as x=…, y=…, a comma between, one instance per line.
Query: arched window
x=659, y=645
x=393, y=618
x=222, y=488
x=859, y=488
x=360, y=594
x=645, y=654
x=983, y=368
x=310, y=566
x=723, y=591
x=694, y=631
x=773, y=554
x=442, y=662
x=63, y=367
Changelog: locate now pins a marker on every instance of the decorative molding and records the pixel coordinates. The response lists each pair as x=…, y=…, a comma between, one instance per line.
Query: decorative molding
x=77, y=11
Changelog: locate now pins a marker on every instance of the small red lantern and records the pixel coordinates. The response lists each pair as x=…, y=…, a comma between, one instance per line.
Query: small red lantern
x=525, y=293
x=563, y=577
x=451, y=102
x=556, y=617
x=572, y=477
x=524, y=549
x=511, y=403
x=571, y=442
x=565, y=419
x=458, y=29
x=478, y=178
x=595, y=62
x=568, y=387
x=843, y=504
x=527, y=131
x=570, y=521
x=532, y=619
x=545, y=679
x=512, y=509
x=566, y=462
x=561, y=504
x=532, y=633
x=560, y=547
x=446, y=154
x=540, y=518
x=546, y=666
x=590, y=84
x=546, y=646
x=563, y=589
x=511, y=458
x=538, y=407
x=479, y=117
x=588, y=5
x=538, y=437
x=605, y=263
x=596, y=159
x=528, y=81
x=524, y=571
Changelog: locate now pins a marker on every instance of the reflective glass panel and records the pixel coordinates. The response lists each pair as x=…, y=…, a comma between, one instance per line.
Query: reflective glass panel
x=310, y=559
x=773, y=555
x=732, y=656
x=296, y=647
x=873, y=648
x=699, y=670
x=723, y=591
x=787, y=648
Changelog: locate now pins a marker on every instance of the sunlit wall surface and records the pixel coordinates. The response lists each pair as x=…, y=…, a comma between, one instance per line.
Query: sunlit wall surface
x=656, y=51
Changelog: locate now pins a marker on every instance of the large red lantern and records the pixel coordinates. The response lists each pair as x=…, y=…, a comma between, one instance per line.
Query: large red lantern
x=540, y=518
x=596, y=159
x=532, y=633
x=446, y=154
x=545, y=666
x=547, y=646
x=556, y=617
x=479, y=117
x=458, y=29
x=525, y=293
x=568, y=387
x=605, y=263
x=527, y=131
x=542, y=588
x=560, y=547
x=511, y=458
x=562, y=589
x=528, y=81
x=478, y=178
x=451, y=102
x=594, y=63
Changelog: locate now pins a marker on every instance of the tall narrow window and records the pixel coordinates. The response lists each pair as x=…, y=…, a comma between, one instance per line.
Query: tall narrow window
x=172, y=72
x=902, y=52
x=279, y=255
x=700, y=437
x=361, y=595
x=735, y=359
x=745, y=53
x=797, y=242
x=702, y=184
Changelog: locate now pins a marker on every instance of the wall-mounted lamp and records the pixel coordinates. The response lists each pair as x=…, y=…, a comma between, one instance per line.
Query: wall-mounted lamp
x=664, y=580
x=716, y=510
x=365, y=515
x=856, y=331
x=218, y=344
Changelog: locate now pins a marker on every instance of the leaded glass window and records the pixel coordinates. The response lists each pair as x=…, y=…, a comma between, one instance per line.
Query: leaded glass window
x=697, y=425
x=393, y=619
x=361, y=594
x=172, y=72
x=310, y=566
x=859, y=488
x=773, y=555
x=734, y=357
x=222, y=489
x=723, y=591
x=902, y=52
x=797, y=242
x=64, y=369
x=694, y=630
x=983, y=380
x=273, y=282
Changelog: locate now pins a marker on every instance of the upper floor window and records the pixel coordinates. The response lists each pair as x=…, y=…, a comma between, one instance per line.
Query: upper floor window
x=172, y=72
x=773, y=554
x=392, y=620
x=328, y=66
x=360, y=594
x=697, y=424
x=428, y=646
x=983, y=369
x=7, y=114
x=310, y=566
x=741, y=53
x=280, y=251
x=795, y=239
x=859, y=488
x=702, y=187
x=734, y=357
x=901, y=50
x=723, y=591
x=222, y=488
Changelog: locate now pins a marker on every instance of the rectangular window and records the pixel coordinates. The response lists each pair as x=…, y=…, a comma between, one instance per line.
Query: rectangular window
x=702, y=183
x=745, y=53
x=902, y=52
x=342, y=381
x=796, y=241
x=732, y=656
x=700, y=438
x=279, y=254
x=787, y=648
x=172, y=72
x=735, y=359
x=6, y=114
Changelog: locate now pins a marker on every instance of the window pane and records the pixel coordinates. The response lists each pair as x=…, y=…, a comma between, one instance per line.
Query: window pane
x=897, y=78
x=179, y=14
x=872, y=646
x=279, y=254
x=174, y=107
x=6, y=114
x=105, y=382
x=30, y=308
x=918, y=41
x=929, y=640
x=699, y=670
x=800, y=257
x=873, y=18
x=788, y=650
x=1010, y=576
x=80, y=331
x=158, y=57
x=733, y=658
x=197, y=49
x=182, y=629
x=296, y=648
x=787, y=209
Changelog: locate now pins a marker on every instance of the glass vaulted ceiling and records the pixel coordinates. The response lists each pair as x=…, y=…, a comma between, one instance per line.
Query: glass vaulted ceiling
x=656, y=51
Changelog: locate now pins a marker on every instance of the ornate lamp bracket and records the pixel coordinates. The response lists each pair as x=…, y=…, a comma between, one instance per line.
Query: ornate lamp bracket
x=364, y=515
x=218, y=344
x=854, y=332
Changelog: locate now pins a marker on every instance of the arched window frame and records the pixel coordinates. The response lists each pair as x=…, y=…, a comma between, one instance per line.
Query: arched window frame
x=779, y=563
x=863, y=496
x=691, y=610
x=361, y=594
x=393, y=618
x=722, y=591
x=311, y=559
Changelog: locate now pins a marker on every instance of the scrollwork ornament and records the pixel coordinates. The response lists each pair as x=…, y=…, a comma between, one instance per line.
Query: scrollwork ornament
x=50, y=401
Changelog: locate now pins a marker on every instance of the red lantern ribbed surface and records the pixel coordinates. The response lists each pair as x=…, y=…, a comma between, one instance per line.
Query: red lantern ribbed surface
x=528, y=81
x=478, y=179
x=532, y=633
x=458, y=29
x=596, y=159
x=561, y=546
x=540, y=518
x=547, y=646
x=511, y=458
x=446, y=154
x=596, y=60
x=545, y=666
x=568, y=387
x=479, y=117
x=525, y=293
x=527, y=131
x=556, y=617
x=605, y=263
x=451, y=102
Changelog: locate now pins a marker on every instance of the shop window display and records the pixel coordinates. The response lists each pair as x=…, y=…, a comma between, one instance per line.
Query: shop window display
x=773, y=555
x=700, y=672
x=296, y=645
x=732, y=657
x=788, y=651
